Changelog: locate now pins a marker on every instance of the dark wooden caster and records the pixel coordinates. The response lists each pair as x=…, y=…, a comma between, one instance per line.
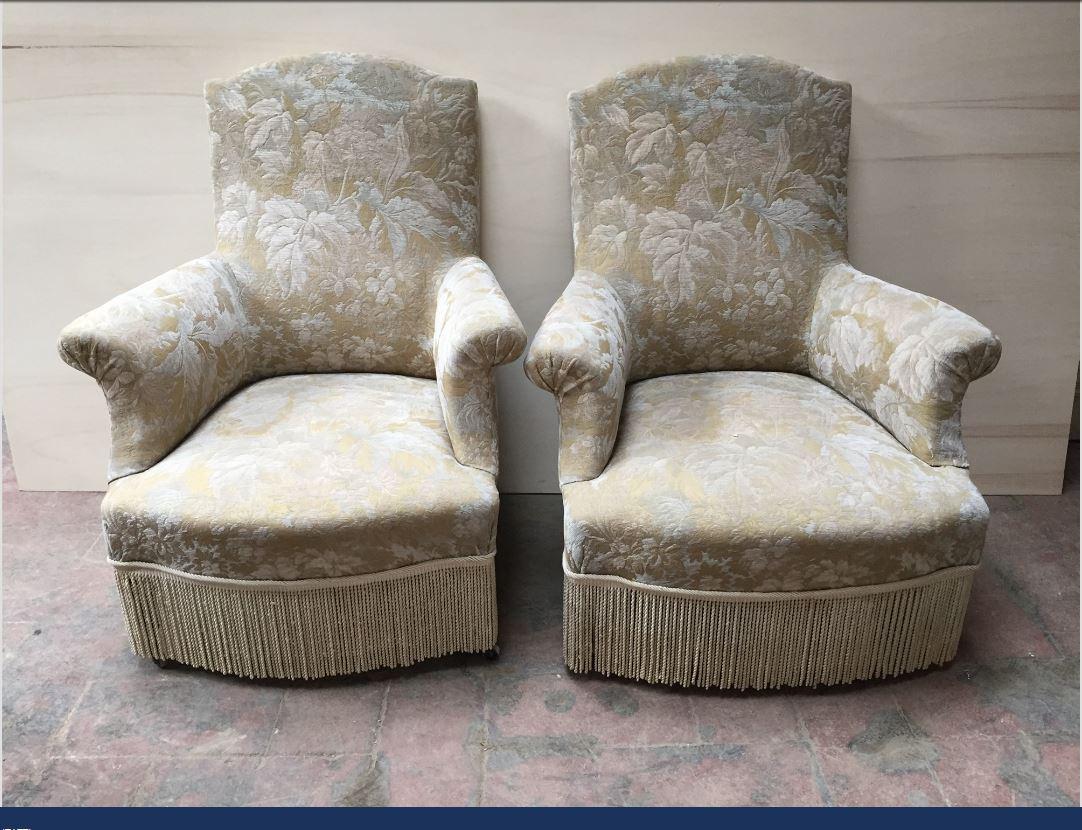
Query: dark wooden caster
x=165, y=664
x=493, y=653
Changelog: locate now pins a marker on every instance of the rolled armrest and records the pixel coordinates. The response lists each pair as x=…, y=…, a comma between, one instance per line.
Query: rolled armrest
x=475, y=330
x=164, y=354
x=582, y=355
x=904, y=358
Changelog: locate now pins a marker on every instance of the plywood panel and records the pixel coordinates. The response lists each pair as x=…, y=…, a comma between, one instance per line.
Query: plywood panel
x=964, y=176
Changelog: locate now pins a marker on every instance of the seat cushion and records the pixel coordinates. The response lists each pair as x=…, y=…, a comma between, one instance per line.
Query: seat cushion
x=765, y=481
x=307, y=476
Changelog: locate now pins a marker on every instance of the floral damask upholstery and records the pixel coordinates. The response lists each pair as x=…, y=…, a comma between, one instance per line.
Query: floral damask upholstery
x=346, y=193
x=744, y=416
x=308, y=477
x=765, y=481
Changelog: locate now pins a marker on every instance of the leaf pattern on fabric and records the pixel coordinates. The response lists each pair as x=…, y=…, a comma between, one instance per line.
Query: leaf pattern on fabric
x=164, y=354
x=582, y=355
x=765, y=481
x=905, y=358
x=715, y=156
x=681, y=247
x=476, y=329
x=346, y=196
x=236, y=499
x=709, y=206
x=651, y=134
x=299, y=238
x=348, y=184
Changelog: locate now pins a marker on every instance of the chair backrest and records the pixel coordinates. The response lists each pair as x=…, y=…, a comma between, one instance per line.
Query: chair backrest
x=711, y=192
x=344, y=185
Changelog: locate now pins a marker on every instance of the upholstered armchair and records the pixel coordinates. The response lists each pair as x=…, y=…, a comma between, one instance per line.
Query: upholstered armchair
x=761, y=461
x=302, y=474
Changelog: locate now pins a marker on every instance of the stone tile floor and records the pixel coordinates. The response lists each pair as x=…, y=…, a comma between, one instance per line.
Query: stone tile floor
x=86, y=722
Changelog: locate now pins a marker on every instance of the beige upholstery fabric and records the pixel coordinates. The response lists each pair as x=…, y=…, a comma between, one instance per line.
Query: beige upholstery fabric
x=709, y=207
x=313, y=524
x=346, y=196
x=476, y=329
x=710, y=192
x=807, y=522
x=582, y=355
x=164, y=353
x=344, y=188
x=905, y=358
x=307, y=477
x=765, y=481
x=728, y=519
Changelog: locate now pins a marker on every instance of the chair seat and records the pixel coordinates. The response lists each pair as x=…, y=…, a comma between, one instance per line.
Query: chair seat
x=765, y=481
x=305, y=477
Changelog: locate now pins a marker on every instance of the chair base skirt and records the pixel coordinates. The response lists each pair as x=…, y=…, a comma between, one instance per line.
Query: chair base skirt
x=311, y=628
x=762, y=640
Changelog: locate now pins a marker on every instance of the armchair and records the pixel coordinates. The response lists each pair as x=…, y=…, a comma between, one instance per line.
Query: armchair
x=760, y=447
x=302, y=473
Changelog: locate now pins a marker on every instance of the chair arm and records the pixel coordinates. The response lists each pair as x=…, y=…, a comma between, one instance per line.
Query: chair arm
x=582, y=355
x=904, y=358
x=164, y=353
x=475, y=330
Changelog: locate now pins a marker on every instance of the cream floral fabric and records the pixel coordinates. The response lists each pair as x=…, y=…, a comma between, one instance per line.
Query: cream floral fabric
x=903, y=357
x=582, y=355
x=710, y=192
x=346, y=196
x=307, y=476
x=476, y=329
x=345, y=186
x=765, y=481
x=709, y=207
x=164, y=354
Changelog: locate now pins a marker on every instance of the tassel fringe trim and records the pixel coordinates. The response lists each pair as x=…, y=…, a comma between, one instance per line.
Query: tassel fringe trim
x=310, y=628
x=762, y=640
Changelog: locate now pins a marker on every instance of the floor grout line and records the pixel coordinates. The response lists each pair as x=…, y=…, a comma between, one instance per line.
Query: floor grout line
x=135, y=797
x=274, y=726
x=60, y=735
x=486, y=742
x=377, y=730
x=1012, y=589
x=818, y=779
x=916, y=732
x=99, y=535
x=203, y=756
x=85, y=555
x=693, y=716
x=700, y=744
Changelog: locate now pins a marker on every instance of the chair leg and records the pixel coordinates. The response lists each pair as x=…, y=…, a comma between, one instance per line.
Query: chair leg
x=493, y=653
x=166, y=664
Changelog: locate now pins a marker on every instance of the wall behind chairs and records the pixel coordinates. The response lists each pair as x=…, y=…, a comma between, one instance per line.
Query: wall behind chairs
x=963, y=178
